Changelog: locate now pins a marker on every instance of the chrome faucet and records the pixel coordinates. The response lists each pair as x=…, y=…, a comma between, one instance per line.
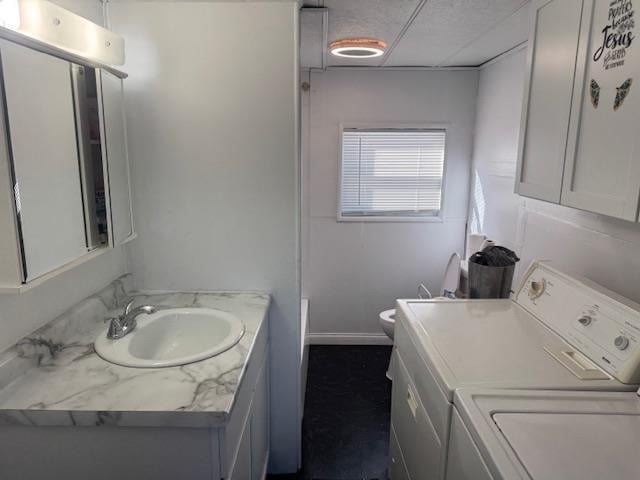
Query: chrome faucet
x=122, y=325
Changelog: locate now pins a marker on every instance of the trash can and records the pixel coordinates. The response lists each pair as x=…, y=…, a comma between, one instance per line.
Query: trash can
x=491, y=272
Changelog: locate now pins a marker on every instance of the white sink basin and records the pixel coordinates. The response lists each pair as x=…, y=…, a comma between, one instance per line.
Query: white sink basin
x=171, y=337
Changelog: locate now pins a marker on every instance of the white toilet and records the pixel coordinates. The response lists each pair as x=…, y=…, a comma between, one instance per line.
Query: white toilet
x=387, y=321
x=449, y=287
x=450, y=284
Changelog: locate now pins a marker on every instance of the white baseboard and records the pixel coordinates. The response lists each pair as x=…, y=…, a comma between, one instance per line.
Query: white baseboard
x=348, y=339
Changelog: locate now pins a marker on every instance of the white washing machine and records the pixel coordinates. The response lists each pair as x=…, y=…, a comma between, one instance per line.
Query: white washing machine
x=544, y=435
x=556, y=333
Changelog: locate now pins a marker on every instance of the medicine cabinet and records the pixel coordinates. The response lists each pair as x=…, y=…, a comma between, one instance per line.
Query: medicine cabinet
x=64, y=169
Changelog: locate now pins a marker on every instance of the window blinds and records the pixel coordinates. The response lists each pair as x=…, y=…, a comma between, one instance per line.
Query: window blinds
x=392, y=172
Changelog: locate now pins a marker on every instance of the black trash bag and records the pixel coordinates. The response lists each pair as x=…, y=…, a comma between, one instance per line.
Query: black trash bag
x=491, y=272
x=495, y=256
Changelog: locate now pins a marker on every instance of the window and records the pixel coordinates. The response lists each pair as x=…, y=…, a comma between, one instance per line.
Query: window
x=391, y=174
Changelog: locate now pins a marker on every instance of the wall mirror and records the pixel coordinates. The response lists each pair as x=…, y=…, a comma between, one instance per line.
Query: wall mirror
x=68, y=169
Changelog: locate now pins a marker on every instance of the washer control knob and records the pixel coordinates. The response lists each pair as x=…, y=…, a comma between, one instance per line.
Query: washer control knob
x=621, y=342
x=585, y=320
x=537, y=288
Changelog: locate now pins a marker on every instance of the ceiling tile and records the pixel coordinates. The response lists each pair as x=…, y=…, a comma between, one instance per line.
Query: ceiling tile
x=445, y=27
x=504, y=36
x=379, y=19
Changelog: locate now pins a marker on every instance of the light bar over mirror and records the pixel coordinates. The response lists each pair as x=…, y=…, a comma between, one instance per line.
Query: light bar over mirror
x=60, y=28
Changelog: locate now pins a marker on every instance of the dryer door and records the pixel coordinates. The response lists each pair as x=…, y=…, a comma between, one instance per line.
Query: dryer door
x=421, y=448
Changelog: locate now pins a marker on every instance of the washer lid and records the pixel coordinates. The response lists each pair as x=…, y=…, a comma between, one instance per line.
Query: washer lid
x=574, y=446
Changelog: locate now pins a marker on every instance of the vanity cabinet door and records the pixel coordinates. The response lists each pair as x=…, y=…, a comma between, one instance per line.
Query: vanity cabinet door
x=114, y=150
x=242, y=465
x=44, y=158
x=553, y=46
x=260, y=425
x=602, y=172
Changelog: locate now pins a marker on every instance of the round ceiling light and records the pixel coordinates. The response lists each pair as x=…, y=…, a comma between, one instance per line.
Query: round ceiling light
x=358, y=48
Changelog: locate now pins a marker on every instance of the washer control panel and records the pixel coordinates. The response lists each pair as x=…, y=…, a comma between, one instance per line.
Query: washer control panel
x=598, y=323
x=585, y=320
x=537, y=288
x=621, y=342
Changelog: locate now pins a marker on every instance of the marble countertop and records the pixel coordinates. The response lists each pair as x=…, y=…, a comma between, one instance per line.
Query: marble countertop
x=54, y=376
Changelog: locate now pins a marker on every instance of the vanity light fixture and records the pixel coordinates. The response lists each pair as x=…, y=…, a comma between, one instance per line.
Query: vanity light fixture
x=48, y=23
x=358, y=48
x=9, y=14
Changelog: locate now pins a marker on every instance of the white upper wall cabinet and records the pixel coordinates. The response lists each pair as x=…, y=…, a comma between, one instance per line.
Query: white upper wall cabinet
x=553, y=46
x=42, y=133
x=602, y=172
x=115, y=156
x=579, y=144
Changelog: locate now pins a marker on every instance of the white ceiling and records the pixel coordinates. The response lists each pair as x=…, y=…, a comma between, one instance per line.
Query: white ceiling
x=424, y=33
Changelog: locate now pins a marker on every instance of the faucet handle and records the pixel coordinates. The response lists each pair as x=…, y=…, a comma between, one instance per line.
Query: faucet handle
x=116, y=329
x=127, y=308
x=121, y=325
x=148, y=309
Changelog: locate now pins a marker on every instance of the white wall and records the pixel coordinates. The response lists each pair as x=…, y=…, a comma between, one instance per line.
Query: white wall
x=352, y=271
x=21, y=314
x=212, y=118
x=598, y=247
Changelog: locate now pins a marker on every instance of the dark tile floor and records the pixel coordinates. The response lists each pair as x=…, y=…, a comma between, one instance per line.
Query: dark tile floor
x=345, y=432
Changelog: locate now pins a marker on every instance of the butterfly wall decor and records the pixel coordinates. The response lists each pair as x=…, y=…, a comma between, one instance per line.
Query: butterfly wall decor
x=595, y=93
x=621, y=93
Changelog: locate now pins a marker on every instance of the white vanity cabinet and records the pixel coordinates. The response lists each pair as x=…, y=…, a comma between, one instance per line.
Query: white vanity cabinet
x=191, y=443
x=244, y=440
x=579, y=144
x=259, y=421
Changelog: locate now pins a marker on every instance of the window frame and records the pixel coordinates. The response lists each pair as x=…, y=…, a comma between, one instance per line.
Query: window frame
x=439, y=218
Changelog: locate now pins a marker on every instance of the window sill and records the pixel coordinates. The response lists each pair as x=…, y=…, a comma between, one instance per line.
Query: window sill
x=391, y=219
